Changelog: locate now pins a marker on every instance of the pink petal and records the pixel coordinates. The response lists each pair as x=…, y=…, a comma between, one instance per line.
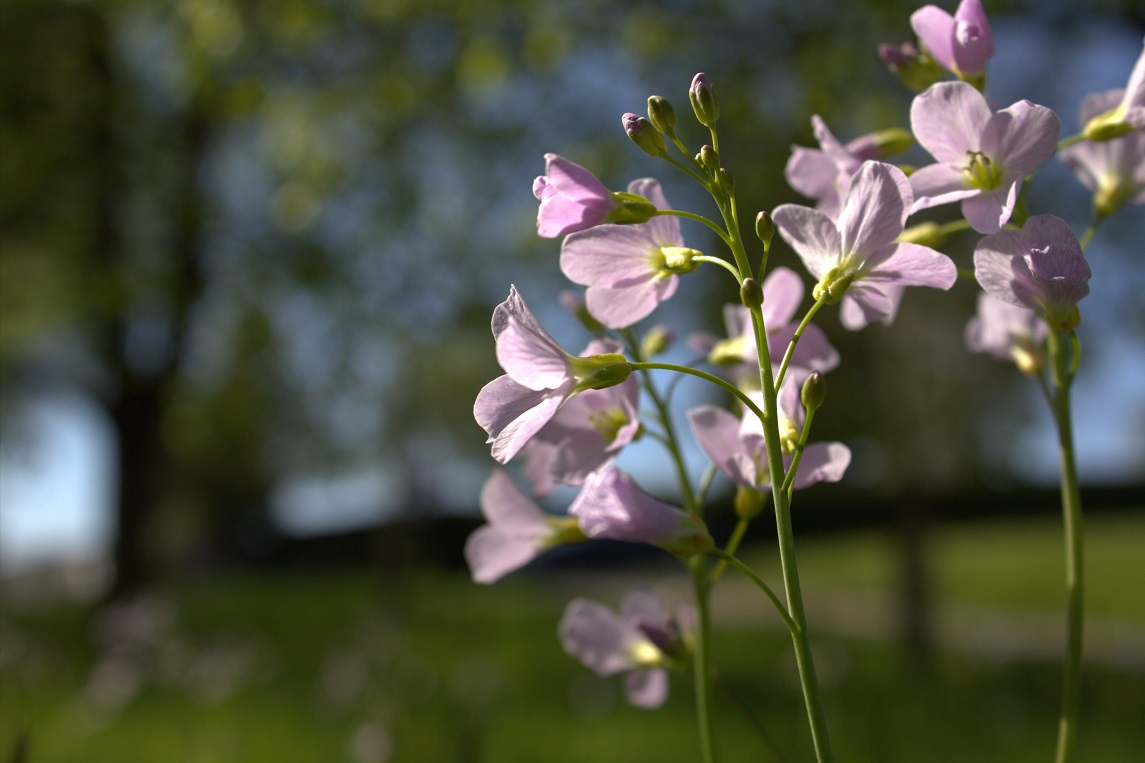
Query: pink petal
x=512, y=414
x=664, y=230
x=875, y=209
x=524, y=349
x=938, y=184
x=935, y=30
x=782, y=293
x=866, y=303
x=647, y=689
x=947, y=120
x=988, y=212
x=812, y=234
x=1021, y=137
x=597, y=637
x=621, y=306
x=915, y=265
x=822, y=462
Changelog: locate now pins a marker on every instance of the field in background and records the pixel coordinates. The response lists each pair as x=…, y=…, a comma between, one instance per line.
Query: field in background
x=426, y=666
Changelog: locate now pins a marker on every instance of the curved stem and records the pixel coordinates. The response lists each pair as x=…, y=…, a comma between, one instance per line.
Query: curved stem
x=698, y=218
x=683, y=168
x=789, y=480
x=730, y=549
x=1062, y=374
x=739, y=394
x=792, y=626
x=795, y=340
x=718, y=261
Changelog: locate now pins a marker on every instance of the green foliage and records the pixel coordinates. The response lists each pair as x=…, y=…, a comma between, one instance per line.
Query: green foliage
x=426, y=666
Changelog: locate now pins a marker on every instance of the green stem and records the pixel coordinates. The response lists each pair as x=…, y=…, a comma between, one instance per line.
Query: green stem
x=795, y=340
x=683, y=168
x=718, y=261
x=698, y=218
x=702, y=658
x=770, y=418
x=731, y=548
x=1062, y=374
x=1071, y=140
x=739, y=394
x=759, y=582
x=789, y=480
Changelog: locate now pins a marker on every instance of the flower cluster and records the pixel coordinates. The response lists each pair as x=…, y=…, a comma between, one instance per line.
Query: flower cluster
x=568, y=418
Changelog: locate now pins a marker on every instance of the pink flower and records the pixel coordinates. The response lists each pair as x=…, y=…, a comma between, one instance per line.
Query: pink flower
x=539, y=377
x=824, y=174
x=983, y=156
x=611, y=506
x=962, y=43
x=782, y=295
x=737, y=447
x=1040, y=267
x=571, y=197
x=858, y=259
x=517, y=531
x=628, y=270
x=1125, y=116
x=585, y=434
x=1113, y=169
x=639, y=642
x=1008, y=332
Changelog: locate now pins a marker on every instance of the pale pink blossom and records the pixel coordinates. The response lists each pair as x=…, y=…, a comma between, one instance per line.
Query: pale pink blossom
x=962, y=43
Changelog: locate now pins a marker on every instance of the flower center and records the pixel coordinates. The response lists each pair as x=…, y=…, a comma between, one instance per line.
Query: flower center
x=607, y=422
x=981, y=172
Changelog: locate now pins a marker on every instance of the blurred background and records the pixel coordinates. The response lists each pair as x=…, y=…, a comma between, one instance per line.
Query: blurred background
x=249, y=253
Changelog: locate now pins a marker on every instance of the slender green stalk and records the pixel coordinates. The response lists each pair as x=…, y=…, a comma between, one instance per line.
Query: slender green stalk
x=1070, y=141
x=731, y=548
x=693, y=216
x=770, y=418
x=795, y=340
x=721, y=262
x=739, y=394
x=1062, y=375
x=723, y=556
x=702, y=660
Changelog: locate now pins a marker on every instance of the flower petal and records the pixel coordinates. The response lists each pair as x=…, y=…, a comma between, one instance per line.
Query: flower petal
x=875, y=209
x=915, y=265
x=1020, y=138
x=935, y=30
x=597, y=637
x=512, y=413
x=812, y=234
x=947, y=120
x=938, y=184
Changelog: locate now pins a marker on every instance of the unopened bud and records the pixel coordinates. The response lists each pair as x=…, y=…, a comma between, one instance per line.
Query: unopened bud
x=708, y=157
x=915, y=69
x=646, y=137
x=891, y=141
x=657, y=340
x=814, y=391
x=751, y=293
x=661, y=114
x=764, y=228
x=703, y=97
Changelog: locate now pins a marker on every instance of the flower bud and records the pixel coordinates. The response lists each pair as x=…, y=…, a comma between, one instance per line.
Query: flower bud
x=646, y=137
x=708, y=157
x=814, y=391
x=751, y=293
x=916, y=70
x=891, y=141
x=661, y=114
x=657, y=340
x=608, y=376
x=764, y=228
x=703, y=97
x=749, y=502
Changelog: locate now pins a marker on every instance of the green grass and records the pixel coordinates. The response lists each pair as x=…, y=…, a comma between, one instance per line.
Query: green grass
x=426, y=666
